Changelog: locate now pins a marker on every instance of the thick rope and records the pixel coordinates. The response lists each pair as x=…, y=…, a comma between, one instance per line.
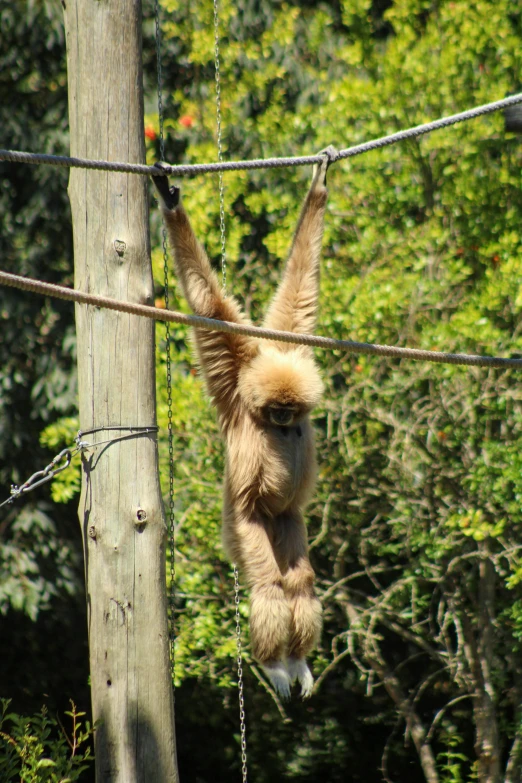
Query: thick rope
x=268, y=163
x=157, y=314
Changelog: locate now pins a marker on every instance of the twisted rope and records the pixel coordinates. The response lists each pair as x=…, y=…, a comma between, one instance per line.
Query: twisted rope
x=203, y=168
x=328, y=343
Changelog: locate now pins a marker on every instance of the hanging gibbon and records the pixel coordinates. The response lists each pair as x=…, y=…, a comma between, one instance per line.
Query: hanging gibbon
x=264, y=392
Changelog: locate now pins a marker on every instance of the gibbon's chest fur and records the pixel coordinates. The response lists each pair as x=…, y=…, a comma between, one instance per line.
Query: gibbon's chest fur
x=269, y=468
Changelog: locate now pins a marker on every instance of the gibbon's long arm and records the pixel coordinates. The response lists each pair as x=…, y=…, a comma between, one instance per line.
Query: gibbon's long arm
x=221, y=355
x=295, y=303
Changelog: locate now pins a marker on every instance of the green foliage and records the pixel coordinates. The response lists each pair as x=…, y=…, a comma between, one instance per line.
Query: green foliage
x=42, y=605
x=37, y=564
x=37, y=348
x=38, y=749
x=450, y=758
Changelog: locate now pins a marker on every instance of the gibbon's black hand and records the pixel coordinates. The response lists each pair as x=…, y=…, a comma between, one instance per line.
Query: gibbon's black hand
x=168, y=195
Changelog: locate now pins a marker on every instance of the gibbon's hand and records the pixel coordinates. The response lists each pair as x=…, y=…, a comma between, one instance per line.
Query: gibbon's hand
x=330, y=155
x=169, y=196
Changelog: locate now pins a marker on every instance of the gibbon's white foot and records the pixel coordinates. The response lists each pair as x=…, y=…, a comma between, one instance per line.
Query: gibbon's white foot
x=298, y=670
x=278, y=675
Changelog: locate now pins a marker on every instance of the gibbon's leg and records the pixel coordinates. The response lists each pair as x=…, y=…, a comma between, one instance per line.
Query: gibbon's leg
x=291, y=548
x=294, y=306
x=248, y=542
x=221, y=354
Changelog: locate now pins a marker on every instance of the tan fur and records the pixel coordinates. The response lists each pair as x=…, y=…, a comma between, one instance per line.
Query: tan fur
x=270, y=469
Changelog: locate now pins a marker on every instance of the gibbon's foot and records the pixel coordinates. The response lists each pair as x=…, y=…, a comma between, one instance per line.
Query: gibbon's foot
x=330, y=155
x=298, y=670
x=278, y=675
x=169, y=196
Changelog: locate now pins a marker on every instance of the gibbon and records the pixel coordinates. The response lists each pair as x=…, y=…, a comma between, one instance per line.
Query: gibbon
x=264, y=392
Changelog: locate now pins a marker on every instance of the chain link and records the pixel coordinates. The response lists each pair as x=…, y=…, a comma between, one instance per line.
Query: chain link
x=170, y=439
x=240, y=678
x=66, y=456
x=42, y=476
x=220, y=146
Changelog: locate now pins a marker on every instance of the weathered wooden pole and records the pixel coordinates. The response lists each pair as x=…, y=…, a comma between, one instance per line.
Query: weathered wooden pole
x=121, y=511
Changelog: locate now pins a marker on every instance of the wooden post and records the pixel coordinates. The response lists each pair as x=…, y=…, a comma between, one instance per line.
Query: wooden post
x=121, y=512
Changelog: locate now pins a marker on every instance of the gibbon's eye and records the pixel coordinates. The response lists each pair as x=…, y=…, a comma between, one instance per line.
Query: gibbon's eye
x=281, y=416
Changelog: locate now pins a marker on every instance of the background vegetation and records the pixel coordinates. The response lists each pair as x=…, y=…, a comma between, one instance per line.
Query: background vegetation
x=416, y=523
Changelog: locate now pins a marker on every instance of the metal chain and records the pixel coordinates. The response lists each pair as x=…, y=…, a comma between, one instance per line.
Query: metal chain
x=240, y=678
x=66, y=455
x=42, y=476
x=170, y=439
x=219, y=146
x=242, y=720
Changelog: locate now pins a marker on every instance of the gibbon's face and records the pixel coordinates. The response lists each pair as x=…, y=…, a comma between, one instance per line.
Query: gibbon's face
x=279, y=388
